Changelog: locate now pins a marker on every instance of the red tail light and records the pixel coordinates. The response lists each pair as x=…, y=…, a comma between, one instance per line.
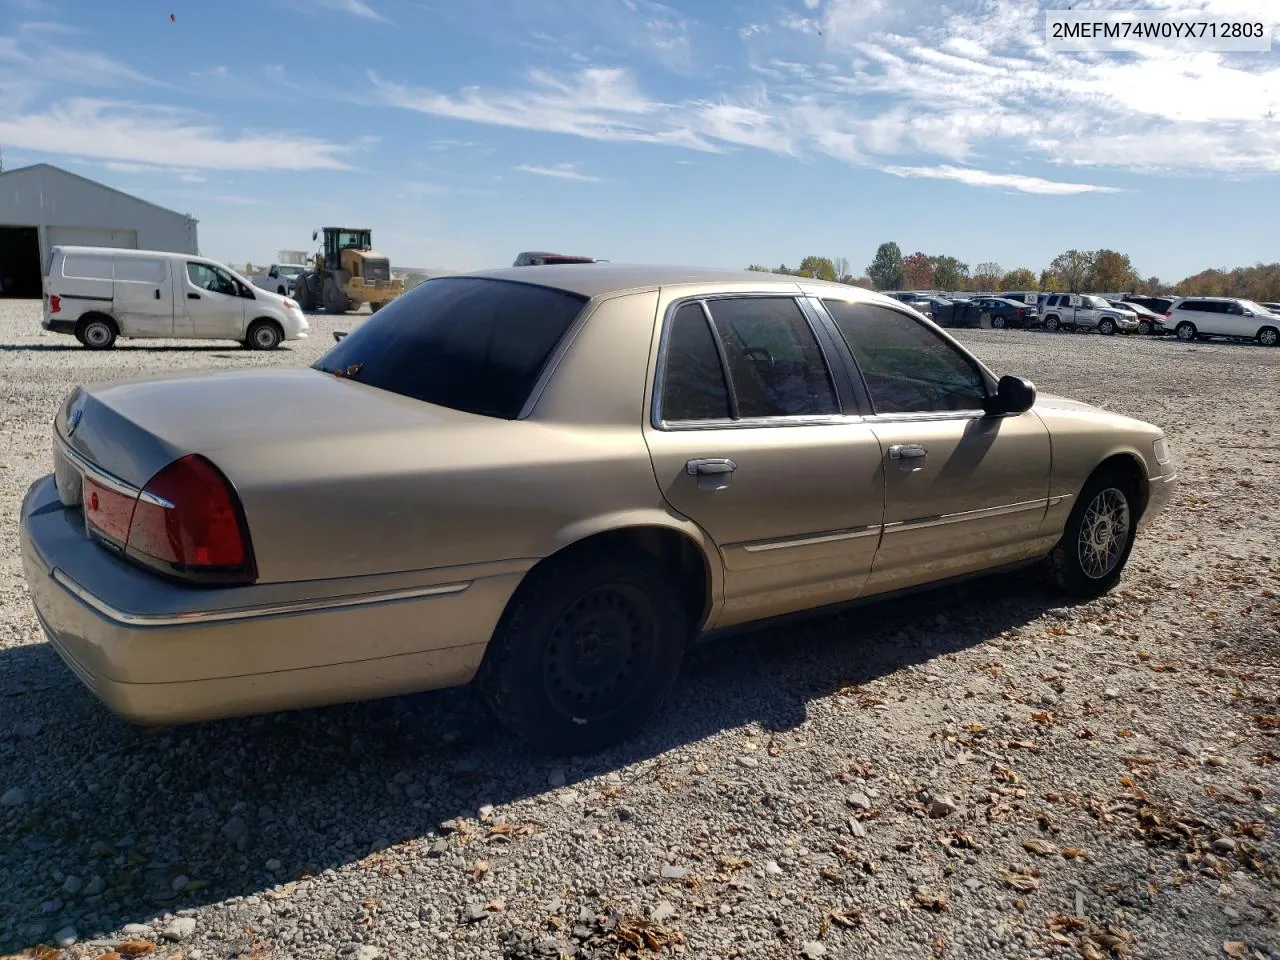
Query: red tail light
x=188, y=521
x=1168, y=315
x=55, y=303
x=108, y=511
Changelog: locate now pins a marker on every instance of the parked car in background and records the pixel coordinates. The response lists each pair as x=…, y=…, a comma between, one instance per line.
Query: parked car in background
x=1158, y=305
x=1148, y=320
x=553, y=481
x=1031, y=297
x=1193, y=318
x=98, y=294
x=538, y=258
x=1084, y=311
x=1000, y=313
x=1273, y=307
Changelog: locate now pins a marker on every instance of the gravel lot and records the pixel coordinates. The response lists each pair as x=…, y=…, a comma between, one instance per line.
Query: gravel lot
x=977, y=773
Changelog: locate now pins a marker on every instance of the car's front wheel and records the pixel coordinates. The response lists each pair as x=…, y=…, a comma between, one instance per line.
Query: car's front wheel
x=1095, y=546
x=1268, y=336
x=1052, y=324
x=1106, y=326
x=998, y=322
x=1186, y=331
x=587, y=651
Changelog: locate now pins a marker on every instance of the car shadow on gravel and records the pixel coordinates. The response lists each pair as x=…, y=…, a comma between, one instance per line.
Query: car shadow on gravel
x=121, y=348
x=238, y=806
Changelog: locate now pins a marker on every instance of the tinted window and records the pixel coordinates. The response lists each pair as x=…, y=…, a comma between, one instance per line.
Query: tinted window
x=208, y=277
x=773, y=358
x=907, y=367
x=693, y=386
x=87, y=267
x=468, y=343
x=141, y=270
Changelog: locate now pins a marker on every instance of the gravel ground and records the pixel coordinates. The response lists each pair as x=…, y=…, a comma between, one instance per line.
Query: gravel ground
x=981, y=772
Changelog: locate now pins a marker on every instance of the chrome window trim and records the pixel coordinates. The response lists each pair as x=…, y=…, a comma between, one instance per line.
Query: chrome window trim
x=656, y=420
x=808, y=540
x=319, y=605
x=109, y=480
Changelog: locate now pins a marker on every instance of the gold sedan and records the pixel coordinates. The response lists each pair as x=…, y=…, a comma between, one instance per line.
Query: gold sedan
x=550, y=480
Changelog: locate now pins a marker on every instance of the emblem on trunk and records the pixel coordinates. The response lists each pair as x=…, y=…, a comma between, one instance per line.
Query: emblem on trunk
x=73, y=420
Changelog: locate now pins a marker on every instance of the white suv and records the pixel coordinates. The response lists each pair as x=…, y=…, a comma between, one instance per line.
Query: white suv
x=1083, y=311
x=1192, y=317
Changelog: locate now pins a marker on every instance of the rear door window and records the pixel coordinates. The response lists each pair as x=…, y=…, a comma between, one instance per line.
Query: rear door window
x=466, y=343
x=775, y=363
x=694, y=385
x=86, y=266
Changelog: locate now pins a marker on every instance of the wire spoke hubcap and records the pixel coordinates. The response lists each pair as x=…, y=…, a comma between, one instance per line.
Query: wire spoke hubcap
x=1103, y=533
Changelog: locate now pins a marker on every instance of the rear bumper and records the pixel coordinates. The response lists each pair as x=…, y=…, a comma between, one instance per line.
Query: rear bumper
x=58, y=326
x=157, y=652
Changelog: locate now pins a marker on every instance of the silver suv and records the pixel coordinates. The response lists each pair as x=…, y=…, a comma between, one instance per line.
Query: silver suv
x=1083, y=311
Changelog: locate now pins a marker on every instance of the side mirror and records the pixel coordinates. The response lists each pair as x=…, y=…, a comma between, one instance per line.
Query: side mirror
x=1013, y=395
x=314, y=235
x=1248, y=313
x=273, y=274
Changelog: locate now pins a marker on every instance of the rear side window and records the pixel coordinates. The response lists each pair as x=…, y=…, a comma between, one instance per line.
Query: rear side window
x=141, y=270
x=87, y=267
x=774, y=361
x=693, y=386
x=466, y=343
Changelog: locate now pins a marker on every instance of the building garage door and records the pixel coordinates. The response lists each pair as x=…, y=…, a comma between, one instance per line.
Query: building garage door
x=19, y=262
x=92, y=237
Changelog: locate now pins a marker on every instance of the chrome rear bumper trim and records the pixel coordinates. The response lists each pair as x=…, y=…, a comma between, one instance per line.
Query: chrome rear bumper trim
x=195, y=617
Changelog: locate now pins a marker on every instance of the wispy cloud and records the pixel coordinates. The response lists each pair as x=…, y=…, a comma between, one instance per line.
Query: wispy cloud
x=1010, y=181
x=125, y=132
x=561, y=171
x=356, y=8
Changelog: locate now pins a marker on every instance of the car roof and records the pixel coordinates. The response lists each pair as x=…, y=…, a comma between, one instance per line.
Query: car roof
x=124, y=252
x=602, y=279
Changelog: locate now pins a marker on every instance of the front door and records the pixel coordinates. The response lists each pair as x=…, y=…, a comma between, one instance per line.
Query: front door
x=143, y=296
x=750, y=439
x=963, y=491
x=214, y=307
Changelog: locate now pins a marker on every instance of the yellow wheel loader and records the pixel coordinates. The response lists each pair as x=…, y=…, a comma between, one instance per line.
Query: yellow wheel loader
x=347, y=273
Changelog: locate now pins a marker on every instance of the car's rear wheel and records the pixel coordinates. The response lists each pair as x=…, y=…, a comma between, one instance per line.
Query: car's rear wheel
x=1106, y=326
x=1186, y=331
x=1095, y=546
x=998, y=322
x=97, y=333
x=586, y=652
x=1052, y=324
x=1268, y=336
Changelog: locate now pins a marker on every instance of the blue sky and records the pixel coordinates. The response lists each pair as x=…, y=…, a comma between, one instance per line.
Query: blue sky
x=714, y=132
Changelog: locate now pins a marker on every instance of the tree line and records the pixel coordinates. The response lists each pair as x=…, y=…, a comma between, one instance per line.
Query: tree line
x=1073, y=271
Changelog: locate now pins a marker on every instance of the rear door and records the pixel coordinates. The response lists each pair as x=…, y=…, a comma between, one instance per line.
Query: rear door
x=755, y=435
x=144, y=296
x=213, y=306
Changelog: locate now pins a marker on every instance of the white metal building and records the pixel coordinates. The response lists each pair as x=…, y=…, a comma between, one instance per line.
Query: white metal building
x=42, y=206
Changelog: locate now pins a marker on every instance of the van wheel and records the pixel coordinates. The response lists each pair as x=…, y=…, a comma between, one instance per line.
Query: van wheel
x=586, y=652
x=264, y=335
x=97, y=333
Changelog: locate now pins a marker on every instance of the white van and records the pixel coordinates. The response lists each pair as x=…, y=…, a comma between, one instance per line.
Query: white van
x=97, y=294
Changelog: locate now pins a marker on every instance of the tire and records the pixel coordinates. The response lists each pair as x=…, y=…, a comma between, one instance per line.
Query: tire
x=302, y=293
x=1097, y=540
x=1107, y=327
x=1268, y=337
x=282, y=291
x=1144, y=328
x=998, y=322
x=97, y=333
x=1186, y=331
x=374, y=307
x=1052, y=324
x=335, y=301
x=264, y=335
x=551, y=679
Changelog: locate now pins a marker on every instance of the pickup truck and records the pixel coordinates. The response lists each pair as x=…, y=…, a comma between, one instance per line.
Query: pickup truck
x=279, y=277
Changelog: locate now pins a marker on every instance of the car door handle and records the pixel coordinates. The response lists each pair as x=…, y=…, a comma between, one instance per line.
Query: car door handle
x=710, y=466
x=908, y=451
x=157, y=294
x=193, y=296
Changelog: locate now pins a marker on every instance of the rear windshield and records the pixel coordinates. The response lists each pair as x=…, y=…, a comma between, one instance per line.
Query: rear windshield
x=466, y=343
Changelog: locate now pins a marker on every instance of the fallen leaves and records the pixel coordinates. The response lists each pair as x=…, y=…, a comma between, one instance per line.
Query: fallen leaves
x=850, y=918
x=1041, y=848
x=135, y=948
x=1062, y=922
x=1024, y=882
x=638, y=933
x=928, y=900
x=478, y=870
